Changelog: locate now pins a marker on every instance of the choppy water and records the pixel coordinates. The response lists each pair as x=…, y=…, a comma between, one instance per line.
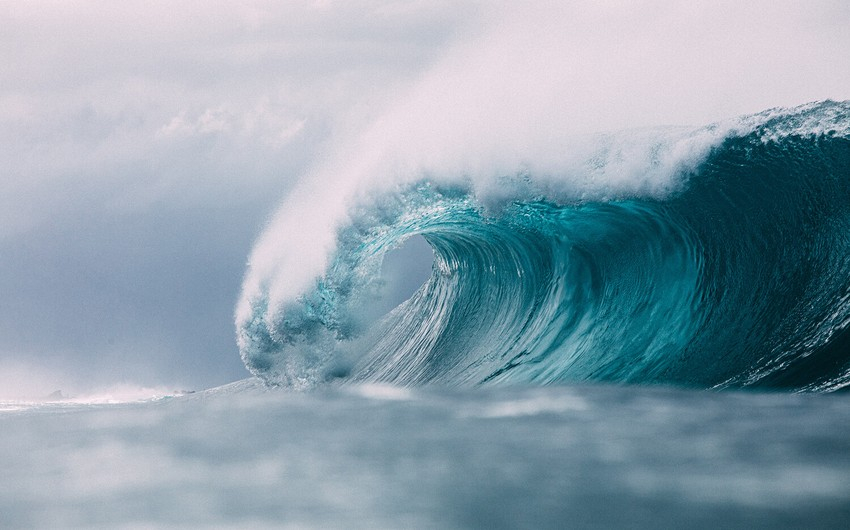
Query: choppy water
x=589, y=456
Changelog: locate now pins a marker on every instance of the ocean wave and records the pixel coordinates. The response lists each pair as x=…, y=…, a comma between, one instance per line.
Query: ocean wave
x=711, y=257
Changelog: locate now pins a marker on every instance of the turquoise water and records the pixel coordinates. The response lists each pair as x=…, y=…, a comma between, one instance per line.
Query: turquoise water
x=724, y=268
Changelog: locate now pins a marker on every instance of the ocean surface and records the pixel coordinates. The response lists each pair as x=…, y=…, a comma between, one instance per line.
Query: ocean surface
x=376, y=456
x=651, y=330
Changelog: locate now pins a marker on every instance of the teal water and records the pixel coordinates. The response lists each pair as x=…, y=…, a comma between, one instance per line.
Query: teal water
x=730, y=270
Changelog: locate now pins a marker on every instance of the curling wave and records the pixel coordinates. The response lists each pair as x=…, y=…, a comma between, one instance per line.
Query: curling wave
x=729, y=267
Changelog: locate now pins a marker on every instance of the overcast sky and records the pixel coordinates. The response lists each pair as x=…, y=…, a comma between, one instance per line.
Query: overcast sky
x=144, y=145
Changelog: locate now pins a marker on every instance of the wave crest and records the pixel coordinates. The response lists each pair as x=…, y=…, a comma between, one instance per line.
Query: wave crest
x=723, y=263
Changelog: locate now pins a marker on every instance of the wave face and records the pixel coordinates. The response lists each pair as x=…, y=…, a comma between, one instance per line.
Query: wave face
x=736, y=274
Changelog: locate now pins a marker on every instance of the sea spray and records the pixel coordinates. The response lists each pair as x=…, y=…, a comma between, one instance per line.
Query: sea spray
x=719, y=266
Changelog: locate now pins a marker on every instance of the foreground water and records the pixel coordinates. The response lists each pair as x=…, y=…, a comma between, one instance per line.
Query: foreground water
x=384, y=457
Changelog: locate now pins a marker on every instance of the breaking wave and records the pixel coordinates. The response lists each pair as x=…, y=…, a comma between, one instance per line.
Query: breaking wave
x=712, y=257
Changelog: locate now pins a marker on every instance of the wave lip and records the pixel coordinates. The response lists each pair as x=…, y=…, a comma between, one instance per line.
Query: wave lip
x=714, y=257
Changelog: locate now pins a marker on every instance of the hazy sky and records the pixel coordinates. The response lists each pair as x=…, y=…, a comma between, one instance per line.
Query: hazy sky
x=144, y=145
